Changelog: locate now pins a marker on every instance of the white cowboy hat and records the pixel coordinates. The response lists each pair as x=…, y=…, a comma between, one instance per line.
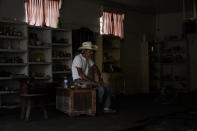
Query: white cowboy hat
x=88, y=46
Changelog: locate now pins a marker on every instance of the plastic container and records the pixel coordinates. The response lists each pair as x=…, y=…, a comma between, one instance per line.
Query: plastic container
x=65, y=83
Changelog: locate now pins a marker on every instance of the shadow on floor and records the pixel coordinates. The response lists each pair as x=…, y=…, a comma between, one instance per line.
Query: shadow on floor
x=136, y=113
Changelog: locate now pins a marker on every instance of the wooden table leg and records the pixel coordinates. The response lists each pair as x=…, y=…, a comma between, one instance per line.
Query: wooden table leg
x=28, y=110
x=22, y=107
x=45, y=113
x=43, y=104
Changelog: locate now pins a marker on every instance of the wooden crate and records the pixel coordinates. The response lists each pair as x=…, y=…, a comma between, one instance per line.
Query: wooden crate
x=76, y=101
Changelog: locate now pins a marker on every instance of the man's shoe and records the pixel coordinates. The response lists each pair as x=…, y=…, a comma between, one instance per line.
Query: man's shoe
x=108, y=110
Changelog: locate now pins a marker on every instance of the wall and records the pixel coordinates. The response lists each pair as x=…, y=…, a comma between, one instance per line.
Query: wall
x=169, y=24
x=168, y=18
x=12, y=9
x=137, y=24
x=78, y=13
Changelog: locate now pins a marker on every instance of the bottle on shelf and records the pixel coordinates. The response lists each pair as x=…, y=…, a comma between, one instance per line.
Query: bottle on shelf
x=65, y=82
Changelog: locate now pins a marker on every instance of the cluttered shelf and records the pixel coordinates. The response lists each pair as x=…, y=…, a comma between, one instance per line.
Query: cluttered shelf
x=169, y=64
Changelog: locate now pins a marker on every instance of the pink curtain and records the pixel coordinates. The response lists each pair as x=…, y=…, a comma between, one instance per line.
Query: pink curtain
x=43, y=12
x=35, y=12
x=118, y=29
x=113, y=24
x=107, y=23
x=52, y=12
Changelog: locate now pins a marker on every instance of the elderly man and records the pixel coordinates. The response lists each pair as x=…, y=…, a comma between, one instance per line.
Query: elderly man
x=80, y=73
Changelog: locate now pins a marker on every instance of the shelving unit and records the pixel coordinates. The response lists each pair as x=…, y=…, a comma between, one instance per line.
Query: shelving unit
x=108, y=60
x=174, y=65
x=111, y=54
x=7, y=95
x=40, y=48
x=61, y=53
x=192, y=39
x=169, y=65
x=13, y=55
x=27, y=51
x=189, y=16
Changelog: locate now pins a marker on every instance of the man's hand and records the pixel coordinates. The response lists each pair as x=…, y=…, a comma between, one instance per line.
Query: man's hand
x=97, y=84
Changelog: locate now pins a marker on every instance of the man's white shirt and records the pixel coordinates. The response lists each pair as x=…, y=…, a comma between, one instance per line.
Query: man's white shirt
x=83, y=63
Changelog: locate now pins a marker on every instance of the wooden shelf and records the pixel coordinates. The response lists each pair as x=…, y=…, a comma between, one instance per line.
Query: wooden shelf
x=12, y=37
x=59, y=30
x=13, y=64
x=9, y=92
x=10, y=106
x=12, y=22
x=12, y=51
x=39, y=63
x=61, y=58
x=5, y=78
x=62, y=44
x=41, y=78
x=61, y=72
x=39, y=47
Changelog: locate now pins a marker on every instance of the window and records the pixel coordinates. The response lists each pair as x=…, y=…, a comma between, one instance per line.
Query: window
x=42, y=12
x=112, y=23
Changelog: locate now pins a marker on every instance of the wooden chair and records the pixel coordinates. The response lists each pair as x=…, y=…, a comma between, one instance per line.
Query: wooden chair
x=28, y=98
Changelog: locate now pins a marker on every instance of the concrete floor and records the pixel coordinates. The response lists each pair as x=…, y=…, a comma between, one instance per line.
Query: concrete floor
x=136, y=113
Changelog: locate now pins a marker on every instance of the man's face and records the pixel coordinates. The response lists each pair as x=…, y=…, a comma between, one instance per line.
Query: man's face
x=89, y=53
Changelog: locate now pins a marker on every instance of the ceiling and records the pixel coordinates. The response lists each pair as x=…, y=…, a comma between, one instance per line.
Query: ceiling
x=157, y=5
